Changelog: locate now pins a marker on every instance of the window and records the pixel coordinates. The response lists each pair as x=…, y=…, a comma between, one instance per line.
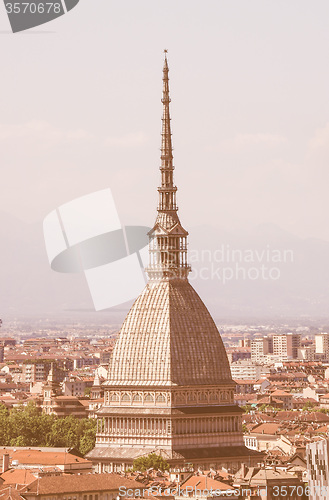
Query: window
x=203, y=396
x=191, y=396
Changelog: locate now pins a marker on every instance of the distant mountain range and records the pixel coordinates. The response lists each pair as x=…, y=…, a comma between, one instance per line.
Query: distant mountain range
x=297, y=287
x=296, y=273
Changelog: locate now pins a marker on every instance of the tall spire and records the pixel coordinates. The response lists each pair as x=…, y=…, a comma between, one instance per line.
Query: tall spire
x=168, y=239
x=167, y=191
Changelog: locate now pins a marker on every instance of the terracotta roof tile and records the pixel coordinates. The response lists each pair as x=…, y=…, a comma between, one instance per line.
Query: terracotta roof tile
x=36, y=457
x=18, y=476
x=9, y=493
x=52, y=485
x=204, y=482
x=266, y=428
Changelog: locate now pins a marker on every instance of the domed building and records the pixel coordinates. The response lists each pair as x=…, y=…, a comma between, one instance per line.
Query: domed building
x=169, y=389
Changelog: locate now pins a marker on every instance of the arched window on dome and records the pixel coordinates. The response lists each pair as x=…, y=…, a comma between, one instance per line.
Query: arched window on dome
x=160, y=399
x=213, y=396
x=191, y=396
x=203, y=397
x=137, y=398
x=180, y=397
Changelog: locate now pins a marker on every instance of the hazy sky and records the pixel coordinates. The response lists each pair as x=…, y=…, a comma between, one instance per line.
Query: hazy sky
x=81, y=111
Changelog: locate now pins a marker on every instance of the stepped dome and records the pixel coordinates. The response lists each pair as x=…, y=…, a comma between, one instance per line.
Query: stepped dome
x=169, y=338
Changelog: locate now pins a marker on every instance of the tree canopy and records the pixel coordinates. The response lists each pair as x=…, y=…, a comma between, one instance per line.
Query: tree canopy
x=153, y=460
x=28, y=426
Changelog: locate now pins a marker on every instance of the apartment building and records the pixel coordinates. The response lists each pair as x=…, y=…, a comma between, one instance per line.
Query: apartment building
x=322, y=346
x=317, y=455
x=260, y=347
x=35, y=372
x=76, y=387
x=286, y=345
x=246, y=370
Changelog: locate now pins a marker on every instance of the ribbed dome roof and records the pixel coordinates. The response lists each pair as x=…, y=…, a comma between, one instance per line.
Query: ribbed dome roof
x=169, y=338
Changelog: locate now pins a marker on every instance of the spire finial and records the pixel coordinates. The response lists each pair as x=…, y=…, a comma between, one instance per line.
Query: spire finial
x=166, y=145
x=165, y=63
x=168, y=249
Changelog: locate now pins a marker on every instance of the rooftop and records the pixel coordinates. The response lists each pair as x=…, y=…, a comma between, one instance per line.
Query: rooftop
x=54, y=485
